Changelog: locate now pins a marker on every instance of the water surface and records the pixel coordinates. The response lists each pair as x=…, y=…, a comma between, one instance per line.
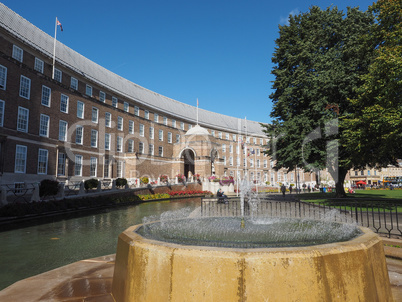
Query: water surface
x=35, y=249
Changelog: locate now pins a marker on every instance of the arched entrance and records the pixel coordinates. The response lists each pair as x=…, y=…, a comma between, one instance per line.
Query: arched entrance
x=188, y=159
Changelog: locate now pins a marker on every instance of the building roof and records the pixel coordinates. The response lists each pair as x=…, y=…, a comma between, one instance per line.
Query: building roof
x=38, y=39
x=197, y=130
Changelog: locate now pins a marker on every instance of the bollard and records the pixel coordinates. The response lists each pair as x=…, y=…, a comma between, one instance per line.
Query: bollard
x=35, y=195
x=61, y=192
x=82, y=188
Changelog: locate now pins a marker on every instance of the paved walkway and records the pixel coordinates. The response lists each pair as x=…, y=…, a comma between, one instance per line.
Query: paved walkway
x=91, y=280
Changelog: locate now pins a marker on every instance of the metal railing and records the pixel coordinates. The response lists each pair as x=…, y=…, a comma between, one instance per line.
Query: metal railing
x=382, y=218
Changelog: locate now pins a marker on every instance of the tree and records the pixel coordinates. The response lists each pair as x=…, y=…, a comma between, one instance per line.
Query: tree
x=318, y=66
x=373, y=130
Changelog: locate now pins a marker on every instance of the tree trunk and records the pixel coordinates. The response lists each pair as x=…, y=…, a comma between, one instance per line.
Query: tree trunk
x=340, y=190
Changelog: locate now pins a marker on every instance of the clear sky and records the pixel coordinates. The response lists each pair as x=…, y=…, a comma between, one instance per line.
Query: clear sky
x=217, y=51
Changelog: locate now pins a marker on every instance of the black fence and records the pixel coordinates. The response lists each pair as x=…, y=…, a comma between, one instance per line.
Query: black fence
x=382, y=218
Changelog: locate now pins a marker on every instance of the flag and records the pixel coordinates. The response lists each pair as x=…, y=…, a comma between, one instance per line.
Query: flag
x=59, y=24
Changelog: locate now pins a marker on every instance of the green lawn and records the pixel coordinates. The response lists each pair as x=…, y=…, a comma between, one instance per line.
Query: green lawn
x=369, y=198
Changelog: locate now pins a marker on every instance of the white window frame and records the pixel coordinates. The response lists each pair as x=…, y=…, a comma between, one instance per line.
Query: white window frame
x=95, y=118
x=106, y=170
x=220, y=134
x=18, y=53
x=102, y=96
x=131, y=127
x=115, y=101
x=146, y=114
x=160, y=151
x=88, y=90
x=182, y=126
x=78, y=165
x=61, y=164
x=119, y=144
x=156, y=118
x=165, y=120
x=64, y=100
x=25, y=87
x=63, y=126
x=107, y=141
x=170, y=137
x=94, y=138
x=23, y=119
x=38, y=65
x=20, y=159
x=3, y=77
x=43, y=156
x=130, y=146
x=173, y=123
x=142, y=130
x=136, y=110
x=150, y=149
x=120, y=123
x=151, y=133
x=141, y=148
x=177, y=138
x=160, y=136
x=79, y=134
x=126, y=107
x=46, y=96
x=44, y=123
x=78, y=109
x=223, y=147
x=74, y=83
x=93, y=166
x=108, y=119
x=58, y=75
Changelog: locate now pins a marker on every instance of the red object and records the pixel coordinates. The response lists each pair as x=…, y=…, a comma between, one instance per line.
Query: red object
x=361, y=182
x=59, y=24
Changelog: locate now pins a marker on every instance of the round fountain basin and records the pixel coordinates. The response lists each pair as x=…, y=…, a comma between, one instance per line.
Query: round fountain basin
x=267, y=232
x=148, y=269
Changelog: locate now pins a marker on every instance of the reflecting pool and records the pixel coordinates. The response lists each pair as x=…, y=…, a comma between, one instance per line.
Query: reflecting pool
x=35, y=249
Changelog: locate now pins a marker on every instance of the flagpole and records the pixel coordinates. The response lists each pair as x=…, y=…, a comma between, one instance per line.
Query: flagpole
x=197, y=111
x=245, y=147
x=238, y=151
x=54, y=48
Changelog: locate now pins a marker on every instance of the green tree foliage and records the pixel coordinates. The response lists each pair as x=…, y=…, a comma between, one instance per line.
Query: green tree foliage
x=373, y=129
x=318, y=66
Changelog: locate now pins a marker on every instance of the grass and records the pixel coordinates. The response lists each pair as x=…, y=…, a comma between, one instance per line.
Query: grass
x=367, y=198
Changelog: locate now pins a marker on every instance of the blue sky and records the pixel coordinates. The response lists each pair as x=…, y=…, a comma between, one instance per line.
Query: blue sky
x=217, y=51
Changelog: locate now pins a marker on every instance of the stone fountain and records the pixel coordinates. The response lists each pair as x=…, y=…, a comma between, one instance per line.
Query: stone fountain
x=215, y=259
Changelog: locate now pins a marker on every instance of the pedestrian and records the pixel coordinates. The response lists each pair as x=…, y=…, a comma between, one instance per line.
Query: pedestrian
x=290, y=189
x=283, y=190
x=309, y=188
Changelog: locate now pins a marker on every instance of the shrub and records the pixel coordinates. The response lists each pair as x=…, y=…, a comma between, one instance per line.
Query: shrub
x=91, y=183
x=144, y=180
x=121, y=182
x=163, y=178
x=48, y=187
x=180, y=177
x=225, y=181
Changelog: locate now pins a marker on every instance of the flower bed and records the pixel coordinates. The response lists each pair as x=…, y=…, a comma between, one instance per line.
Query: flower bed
x=189, y=193
x=153, y=196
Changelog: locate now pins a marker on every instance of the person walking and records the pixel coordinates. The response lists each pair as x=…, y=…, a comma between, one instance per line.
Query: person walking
x=283, y=190
x=290, y=189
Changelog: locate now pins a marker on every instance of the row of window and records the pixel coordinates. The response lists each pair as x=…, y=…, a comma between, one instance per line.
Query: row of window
x=25, y=88
x=43, y=158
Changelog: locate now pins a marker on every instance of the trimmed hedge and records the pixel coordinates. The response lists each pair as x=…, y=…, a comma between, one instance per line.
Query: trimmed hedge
x=38, y=208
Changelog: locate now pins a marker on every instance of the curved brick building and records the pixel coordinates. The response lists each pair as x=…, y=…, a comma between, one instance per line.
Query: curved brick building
x=86, y=121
